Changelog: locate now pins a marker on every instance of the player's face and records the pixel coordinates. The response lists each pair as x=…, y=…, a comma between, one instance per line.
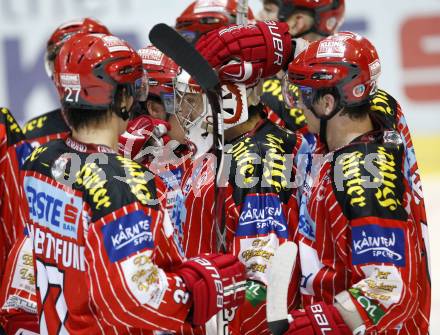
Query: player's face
x=189, y=107
x=269, y=12
x=299, y=23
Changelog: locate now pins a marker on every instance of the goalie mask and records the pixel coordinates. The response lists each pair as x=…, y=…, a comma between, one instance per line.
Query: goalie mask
x=194, y=112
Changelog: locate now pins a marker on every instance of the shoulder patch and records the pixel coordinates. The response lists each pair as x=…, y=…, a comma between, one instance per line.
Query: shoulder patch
x=368, y=181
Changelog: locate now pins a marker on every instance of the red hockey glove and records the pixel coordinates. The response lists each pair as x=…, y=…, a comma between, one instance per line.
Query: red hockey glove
x=247, y=53
x=215, y=281
x=141, y=132
x=318, y=319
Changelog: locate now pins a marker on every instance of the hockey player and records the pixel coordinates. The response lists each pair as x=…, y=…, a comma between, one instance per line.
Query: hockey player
x=203, y=16
x=13, y=152
x=105, y=262
x=312, y=21
x=258, y=207
x=362, y=234
x=161, y=71
x=154, y=137
x=52, y=125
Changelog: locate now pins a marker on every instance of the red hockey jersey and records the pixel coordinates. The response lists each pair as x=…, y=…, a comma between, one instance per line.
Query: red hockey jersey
x=101, y=244
x=260, y=210
x=363, y=228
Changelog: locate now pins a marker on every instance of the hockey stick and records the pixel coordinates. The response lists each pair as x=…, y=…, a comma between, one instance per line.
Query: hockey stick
x=279, y=276
x=242, y=12
x=185, y=55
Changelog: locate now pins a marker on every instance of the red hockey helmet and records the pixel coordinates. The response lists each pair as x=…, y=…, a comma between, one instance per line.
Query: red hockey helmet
x=345, y=61
x=202, y=16
x=328, y=15
x=66, y=31
x=161, y=72
x=90, y=68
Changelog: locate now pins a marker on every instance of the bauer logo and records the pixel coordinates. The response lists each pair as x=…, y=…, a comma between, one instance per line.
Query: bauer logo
x=375, y=244
x=127, y=235
x=52, y=207
x=262, y=215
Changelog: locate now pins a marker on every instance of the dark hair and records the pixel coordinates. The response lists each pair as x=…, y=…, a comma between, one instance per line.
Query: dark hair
x=358, y=112
x=78, y=118
x=81, y=118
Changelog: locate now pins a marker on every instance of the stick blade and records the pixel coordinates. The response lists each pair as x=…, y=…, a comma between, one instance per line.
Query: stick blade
x=279, y=276
x=169, y=41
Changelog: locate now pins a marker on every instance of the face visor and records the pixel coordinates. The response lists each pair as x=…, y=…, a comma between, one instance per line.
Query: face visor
x=297, y=96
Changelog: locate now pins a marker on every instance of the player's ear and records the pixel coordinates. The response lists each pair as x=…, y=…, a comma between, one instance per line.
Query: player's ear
x=328, y=102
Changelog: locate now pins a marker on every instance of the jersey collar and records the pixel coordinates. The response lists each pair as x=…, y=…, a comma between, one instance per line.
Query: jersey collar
x=88, y=147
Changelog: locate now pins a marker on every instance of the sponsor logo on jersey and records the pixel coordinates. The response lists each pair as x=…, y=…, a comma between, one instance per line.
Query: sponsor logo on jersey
x=92, y=178
x=307, y=226
x=387, y=194
x=10, y=121
x=127, y=235
x=376, y=244
x=275, y=172
x=137, y=179
x=172, y=178
x=374, y=311
x=36, y=123
x=146, y=281
x=66, y=254
x=261, y=215
x=52, y=207
x=23, y=151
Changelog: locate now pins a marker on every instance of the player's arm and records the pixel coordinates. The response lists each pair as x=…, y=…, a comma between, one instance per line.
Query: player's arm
x=385, y=252
x=134, y=280
x=384, y=255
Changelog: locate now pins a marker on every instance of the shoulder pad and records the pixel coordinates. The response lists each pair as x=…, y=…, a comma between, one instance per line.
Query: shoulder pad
x=260, y=162
x=12, y=130
x=125, y=182
x=367, y=180
x=385, y=108
x=293, y=118
x=46, y=124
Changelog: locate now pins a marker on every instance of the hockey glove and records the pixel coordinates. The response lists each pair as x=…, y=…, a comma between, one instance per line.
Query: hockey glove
x=247, y=53
x=215, y=282
x=141, y=132
x=318, y=319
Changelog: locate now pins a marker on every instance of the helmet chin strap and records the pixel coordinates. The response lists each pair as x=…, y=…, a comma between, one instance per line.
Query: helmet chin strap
x=323, y=120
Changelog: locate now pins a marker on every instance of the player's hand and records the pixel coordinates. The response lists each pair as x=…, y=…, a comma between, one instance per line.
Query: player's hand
x=216, y=281
x=247, y=53
x=318, y=319
x=141, y=132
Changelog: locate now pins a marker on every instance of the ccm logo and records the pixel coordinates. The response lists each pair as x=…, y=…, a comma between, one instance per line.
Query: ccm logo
x=215, y=275
x=277, y=42
x=320, y=319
